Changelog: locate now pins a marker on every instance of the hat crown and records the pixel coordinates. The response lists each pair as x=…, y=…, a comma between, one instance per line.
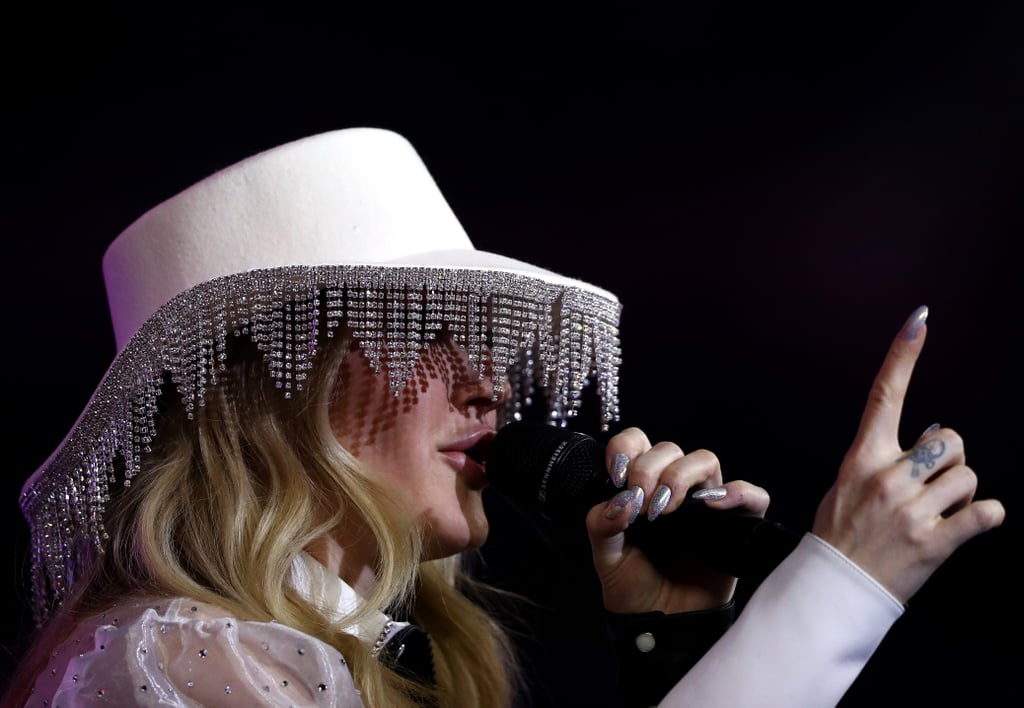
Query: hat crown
x=358, y=195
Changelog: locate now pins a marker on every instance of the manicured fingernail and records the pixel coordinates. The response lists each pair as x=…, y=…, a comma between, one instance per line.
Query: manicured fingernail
x=659, y=500
x=632, y=498
x=621, y=501
x=913, y=325
x=638, y=501
x=619, y=464
x=933, y=428
x=709, y=494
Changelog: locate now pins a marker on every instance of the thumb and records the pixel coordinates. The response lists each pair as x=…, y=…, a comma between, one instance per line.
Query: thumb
x=607, y=523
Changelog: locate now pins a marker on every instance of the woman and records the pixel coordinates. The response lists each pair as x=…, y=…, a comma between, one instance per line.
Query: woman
x=284, y=463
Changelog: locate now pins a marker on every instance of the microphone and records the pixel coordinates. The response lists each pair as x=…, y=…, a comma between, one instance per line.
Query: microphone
x=560, y=474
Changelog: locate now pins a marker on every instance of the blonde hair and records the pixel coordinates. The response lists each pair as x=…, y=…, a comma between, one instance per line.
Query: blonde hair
x=227, y=500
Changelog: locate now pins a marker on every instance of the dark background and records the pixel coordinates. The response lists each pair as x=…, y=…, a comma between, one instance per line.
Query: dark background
x=770, y=191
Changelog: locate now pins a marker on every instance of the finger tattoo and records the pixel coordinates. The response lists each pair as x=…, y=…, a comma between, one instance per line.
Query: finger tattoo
x=924, y=456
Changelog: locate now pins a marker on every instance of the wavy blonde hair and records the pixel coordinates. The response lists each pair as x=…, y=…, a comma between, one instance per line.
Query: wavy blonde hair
x=227, y=500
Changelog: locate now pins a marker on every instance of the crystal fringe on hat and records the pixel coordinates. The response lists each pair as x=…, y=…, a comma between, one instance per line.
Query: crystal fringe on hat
x=541, y=329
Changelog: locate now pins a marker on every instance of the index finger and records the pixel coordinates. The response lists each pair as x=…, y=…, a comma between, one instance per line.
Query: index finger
x=879, y=425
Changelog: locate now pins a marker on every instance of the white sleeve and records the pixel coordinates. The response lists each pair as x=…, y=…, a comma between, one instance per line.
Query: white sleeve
x=179, y=657
x=803, y=637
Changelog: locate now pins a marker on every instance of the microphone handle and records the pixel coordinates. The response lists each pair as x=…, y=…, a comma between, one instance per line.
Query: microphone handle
x=730, y=541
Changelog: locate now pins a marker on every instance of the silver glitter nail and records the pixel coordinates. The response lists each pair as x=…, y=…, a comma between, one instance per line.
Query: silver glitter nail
x=659, y=500
x=618, y=503
x=619, y=464
x=638, y=501
x=710, y=494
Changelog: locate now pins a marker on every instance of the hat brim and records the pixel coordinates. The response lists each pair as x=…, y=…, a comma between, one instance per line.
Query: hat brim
x=127, y=372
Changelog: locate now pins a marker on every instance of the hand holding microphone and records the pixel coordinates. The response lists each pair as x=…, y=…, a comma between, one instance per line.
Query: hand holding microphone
x=687, y=557
x=891, y=518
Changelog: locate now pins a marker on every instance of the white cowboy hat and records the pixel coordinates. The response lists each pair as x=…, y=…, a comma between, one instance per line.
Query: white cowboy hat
x=352, y=216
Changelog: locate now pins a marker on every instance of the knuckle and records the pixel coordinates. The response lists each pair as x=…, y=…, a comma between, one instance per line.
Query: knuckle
x=949, y=439
x=966, y=479
x=749, y=495
x=859, y=461
x=632, y=437
x=955, y=442
x=758, y=493
x=852, y=471
x=705, y=457
x=914, y=526
x=987, y=514
x=881, y=394
x=641, y=466
x=669, y=447
x=883, y=486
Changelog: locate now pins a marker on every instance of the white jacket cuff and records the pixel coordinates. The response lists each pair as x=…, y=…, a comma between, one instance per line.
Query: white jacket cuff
x=801, y=640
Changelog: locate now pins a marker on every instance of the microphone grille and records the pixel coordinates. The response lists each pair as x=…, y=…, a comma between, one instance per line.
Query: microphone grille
x=547, y=468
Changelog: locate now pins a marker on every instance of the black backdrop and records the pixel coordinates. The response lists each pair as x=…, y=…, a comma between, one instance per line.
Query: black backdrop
x=770, y=192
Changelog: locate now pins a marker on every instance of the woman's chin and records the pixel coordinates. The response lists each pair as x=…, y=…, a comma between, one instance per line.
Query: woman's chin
x=450, y=542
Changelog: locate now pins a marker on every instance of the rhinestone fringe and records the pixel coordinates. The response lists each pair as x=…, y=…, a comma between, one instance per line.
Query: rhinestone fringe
x=555, y=337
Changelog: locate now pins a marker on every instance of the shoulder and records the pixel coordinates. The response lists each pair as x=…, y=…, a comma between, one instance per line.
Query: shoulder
x=182, y=652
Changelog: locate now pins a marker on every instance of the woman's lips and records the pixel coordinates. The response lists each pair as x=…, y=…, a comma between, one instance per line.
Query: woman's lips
x=468, y=456
x=472, y=471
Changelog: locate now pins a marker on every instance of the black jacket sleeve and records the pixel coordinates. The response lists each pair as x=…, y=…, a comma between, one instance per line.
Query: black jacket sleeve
x=655, y=649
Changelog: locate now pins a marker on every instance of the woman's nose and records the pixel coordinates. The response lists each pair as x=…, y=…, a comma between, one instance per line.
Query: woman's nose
x=479, y=392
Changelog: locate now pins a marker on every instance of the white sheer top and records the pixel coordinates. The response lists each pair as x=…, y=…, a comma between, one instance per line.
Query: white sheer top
x=802, y=639
x=180, y=652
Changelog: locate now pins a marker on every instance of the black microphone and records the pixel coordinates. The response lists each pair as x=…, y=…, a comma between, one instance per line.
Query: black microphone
x=560, y=474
